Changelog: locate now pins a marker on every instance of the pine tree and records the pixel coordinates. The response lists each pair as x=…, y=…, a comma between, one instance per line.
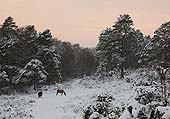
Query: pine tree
x=45, y=39
x=32, y=73
x=9, y=23
x=123, y=27
x=24, y=49
x=8, y=37
x=51, y=63
x=119, y=47
x=145, y=54
x=104, y=50
x=85, y=62
x=67, y=66
x=161, y=41
x=136, y=43
x=48, y=57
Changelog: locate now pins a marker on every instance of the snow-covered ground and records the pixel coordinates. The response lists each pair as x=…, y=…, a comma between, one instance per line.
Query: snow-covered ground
x=80, y=94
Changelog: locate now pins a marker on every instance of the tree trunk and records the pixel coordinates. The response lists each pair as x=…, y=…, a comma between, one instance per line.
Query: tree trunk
x=122, y=71
x=122, y=55
x=34, y=86
x=34, y=83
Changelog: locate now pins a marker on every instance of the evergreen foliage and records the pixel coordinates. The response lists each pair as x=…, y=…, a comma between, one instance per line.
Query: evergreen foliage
x=119, y=47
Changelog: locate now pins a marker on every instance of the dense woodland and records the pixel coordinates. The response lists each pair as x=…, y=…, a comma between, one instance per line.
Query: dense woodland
x=32, y=58
x=29, y=57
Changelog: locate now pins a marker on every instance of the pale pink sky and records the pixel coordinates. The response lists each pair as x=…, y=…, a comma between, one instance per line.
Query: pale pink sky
x=81, y=21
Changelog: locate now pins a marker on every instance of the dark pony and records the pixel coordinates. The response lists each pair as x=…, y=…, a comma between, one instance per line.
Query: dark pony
x=40, y=93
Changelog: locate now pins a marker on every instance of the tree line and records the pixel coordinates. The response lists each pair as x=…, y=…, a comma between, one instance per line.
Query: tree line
x=123, y=47
x=29, y=57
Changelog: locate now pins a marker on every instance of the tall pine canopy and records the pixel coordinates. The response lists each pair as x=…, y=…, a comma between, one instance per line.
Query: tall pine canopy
x=21, y=45
x=45, y=39
x=161, y=41
x=119, y=47
x=8, y=37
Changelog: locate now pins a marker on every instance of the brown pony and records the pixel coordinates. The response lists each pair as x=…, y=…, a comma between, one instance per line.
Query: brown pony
x=61, y=91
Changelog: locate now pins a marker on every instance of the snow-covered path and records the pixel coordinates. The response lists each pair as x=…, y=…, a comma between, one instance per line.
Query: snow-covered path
x=51, y=106
x=46, y=107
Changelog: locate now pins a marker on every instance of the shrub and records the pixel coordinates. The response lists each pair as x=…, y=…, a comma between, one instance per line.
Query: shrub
x=102, y=107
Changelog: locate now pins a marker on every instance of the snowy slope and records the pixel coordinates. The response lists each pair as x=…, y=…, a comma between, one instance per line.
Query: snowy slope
x=80, y=94
x=16, y=107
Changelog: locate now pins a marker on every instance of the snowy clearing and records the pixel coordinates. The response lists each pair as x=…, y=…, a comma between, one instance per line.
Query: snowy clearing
x=80, y=94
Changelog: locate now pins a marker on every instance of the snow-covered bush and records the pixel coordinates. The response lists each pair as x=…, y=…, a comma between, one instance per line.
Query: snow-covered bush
x=127, y=114
x=87, y=112
x=152, y=111
x=102, y=107
x=3, y=79
x=8, y=76
x=142, y=77
x=4, y=83
x=141, y=114
x=145, y=96
x=11, y=71
x=103, y=104
x=15, y=107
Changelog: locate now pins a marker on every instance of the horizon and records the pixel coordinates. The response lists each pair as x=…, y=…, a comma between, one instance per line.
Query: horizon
x=81, y=21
